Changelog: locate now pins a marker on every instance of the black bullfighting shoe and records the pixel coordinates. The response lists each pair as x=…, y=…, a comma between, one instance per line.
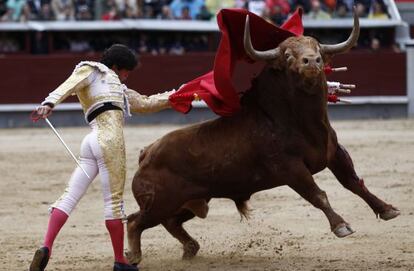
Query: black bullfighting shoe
x=40, y=259
x=124, y=267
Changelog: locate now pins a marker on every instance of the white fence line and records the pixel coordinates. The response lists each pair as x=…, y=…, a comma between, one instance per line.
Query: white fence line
x=356, y=100
x=174, y=25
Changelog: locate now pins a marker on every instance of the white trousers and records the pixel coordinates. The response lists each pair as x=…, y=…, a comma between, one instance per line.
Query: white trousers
x=103, y=152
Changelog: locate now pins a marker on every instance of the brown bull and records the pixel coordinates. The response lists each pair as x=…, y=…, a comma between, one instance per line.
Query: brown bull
x=281, y=136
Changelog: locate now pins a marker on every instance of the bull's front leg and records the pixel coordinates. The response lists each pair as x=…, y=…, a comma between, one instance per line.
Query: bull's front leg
x=301, y=180
x=342, y=167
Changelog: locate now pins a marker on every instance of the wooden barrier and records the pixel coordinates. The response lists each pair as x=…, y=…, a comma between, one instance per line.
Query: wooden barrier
x=28, y=78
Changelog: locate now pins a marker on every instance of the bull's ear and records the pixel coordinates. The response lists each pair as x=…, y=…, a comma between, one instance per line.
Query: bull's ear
x=326, y=58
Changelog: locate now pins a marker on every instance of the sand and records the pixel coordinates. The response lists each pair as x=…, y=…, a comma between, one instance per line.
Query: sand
x=284, y=233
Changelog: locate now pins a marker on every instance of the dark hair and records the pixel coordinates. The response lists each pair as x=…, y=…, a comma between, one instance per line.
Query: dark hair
x=120, y=56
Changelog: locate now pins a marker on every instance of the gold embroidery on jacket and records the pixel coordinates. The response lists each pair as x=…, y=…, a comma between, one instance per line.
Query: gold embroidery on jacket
x=77, y=80
x=147, y=104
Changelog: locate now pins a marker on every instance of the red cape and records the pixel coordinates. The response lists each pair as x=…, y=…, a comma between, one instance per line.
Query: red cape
x=216, y=87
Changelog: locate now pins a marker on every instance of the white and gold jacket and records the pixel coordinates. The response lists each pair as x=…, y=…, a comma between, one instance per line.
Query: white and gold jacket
x=96, y=84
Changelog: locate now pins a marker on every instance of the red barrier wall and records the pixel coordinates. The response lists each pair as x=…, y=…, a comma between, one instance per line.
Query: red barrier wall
x=28, y=79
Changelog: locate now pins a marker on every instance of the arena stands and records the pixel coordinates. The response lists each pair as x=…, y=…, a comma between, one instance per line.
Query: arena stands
x=171, y=34
x=77, y=26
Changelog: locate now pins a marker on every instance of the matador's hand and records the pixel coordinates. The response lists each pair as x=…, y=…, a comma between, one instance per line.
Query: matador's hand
x=44, y=110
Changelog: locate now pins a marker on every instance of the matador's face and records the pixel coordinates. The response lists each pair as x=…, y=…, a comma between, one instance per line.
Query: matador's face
x=122, y=74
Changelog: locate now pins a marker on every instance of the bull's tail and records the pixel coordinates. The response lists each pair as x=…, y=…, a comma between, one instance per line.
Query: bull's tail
x=243, y=208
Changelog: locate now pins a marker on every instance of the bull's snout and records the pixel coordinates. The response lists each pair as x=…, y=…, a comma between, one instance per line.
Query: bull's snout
x=311, y=61
x=310, y=66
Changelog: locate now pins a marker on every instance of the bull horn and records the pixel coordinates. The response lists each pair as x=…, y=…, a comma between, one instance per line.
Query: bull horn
x=251, y=52
x=346, y=45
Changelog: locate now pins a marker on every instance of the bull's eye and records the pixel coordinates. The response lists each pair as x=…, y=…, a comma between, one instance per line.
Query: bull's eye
x=305, y=60
x=287, y=55
x=318, y=60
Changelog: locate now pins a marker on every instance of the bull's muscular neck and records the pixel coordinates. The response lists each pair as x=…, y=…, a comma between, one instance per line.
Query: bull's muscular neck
x=291, y=104
x=286, y=96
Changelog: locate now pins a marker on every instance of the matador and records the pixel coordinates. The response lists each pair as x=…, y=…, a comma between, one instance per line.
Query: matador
x=105, y=101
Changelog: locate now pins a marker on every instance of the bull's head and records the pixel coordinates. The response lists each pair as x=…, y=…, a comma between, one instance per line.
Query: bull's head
x=303, y=55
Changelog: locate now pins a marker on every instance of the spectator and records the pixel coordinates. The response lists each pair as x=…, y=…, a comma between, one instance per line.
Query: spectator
x=195, y=43
x=64, y=10
x=329, y=5
x=79, y=45
x=165, y=13
x=214, y=6
x=378, y=11
x=275, y=15
x=375, y=44
x=111, y=11
x=256, y=6
x=40, y=43
x=35, y=7
x=46, y=13
x=194, y=7
x=139, y=6
x=143, y=45
x=84, y=10
x=129, y=12
x=304, y=4
x=348, y=3
x=317, y=12
x=156, y=6
x=4, y=11
x=283, y=7
x=185, y=14
x=15, y=8
x=204, y=14
x=162, y=47
x=27, y=14
x=177, y=48
x=148, y=12
x=342, y=10
x=362, y=7
x=8, y=45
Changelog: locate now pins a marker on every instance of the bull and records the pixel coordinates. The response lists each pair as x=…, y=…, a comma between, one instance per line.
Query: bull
x=281, y=136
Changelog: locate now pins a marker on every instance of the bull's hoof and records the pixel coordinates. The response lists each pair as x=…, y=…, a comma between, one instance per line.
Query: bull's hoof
x=390, y=213
x=190, y=249
x=133, y=258
x=343, y=230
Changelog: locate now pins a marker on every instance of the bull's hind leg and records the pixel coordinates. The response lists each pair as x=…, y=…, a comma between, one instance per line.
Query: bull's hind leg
x=134, y=255
x=302, y=182
x=174, y=226
x=157, y=204
x=342, y=167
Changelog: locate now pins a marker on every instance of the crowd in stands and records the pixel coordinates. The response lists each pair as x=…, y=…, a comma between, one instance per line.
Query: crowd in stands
x=274, y=10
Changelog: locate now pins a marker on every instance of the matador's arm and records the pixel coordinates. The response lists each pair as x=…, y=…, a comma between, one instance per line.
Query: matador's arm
x=78, y=79
x=148, y=104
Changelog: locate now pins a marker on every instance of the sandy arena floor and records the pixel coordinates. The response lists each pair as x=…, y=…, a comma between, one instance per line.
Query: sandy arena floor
x=284, y=233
